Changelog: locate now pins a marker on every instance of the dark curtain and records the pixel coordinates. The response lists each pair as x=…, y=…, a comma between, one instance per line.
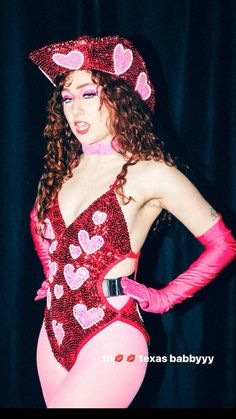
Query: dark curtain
x=189, y=48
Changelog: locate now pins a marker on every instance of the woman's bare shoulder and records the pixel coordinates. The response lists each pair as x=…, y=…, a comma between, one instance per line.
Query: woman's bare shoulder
x=153, y=172
x=144, y=179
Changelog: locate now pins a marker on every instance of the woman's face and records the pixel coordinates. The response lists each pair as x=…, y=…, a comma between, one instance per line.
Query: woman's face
x=88, y=120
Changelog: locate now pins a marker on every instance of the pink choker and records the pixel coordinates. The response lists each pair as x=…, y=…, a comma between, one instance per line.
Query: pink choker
x=98, y=148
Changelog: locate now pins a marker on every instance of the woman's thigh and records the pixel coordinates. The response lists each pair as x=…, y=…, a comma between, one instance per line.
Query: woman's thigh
x=51, y=373
x=99, y=378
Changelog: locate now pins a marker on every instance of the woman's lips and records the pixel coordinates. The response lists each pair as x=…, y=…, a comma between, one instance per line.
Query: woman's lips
x=82, y=127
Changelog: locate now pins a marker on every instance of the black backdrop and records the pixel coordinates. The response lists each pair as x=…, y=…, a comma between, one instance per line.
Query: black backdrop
x=189, y=47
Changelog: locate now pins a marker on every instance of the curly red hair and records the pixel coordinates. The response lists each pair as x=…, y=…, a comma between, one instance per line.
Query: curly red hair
x=130, y=120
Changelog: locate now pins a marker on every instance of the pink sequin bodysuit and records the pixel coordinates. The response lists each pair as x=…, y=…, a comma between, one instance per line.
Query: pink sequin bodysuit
x=80, y=257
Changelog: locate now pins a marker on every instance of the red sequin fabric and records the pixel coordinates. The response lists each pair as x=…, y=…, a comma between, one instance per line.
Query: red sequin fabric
x=81, y=255
x=112, y=54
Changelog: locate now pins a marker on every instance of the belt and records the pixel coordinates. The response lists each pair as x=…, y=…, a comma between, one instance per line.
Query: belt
x=112, y=287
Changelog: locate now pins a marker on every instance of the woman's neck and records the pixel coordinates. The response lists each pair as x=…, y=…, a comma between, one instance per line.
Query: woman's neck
x=100, y=149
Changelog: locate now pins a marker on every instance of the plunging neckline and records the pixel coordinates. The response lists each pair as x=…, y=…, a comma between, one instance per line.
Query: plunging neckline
x=111, y=189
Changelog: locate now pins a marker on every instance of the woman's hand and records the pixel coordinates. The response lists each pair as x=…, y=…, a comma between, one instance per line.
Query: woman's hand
x=149, y=299
x=220, y=250
x=135, y=290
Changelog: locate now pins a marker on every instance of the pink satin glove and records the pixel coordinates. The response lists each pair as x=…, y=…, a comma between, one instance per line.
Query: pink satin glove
x=42, y=292
x=41, y=246
x=220, y=250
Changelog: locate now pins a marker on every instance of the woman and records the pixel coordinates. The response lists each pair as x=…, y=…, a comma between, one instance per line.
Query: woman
x=106, y=179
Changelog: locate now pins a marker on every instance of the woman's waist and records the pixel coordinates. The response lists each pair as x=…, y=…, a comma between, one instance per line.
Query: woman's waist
x=71, y=283
x=112, y=286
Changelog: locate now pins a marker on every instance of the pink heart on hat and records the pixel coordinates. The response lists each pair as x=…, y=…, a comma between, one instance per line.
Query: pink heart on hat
x=75, y=251
x=90, y=245
x=75, y=279
x=73, y=60
x=58, y=331
x=142, y=86
x=123, y=59
x=87, y=318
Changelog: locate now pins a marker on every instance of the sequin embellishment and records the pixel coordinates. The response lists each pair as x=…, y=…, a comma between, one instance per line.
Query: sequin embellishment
x=82, y=311
x=58, y=331
x=75, y=279
x=90, y=245
x=49, y=299
x=99, y=217
x=142, y=86
x=58, y=291
x=75, y=251
x=53, y=246
x=73, y=60
x=87, y=318
x=52, y=270
x=123, y=59
x=48, y=230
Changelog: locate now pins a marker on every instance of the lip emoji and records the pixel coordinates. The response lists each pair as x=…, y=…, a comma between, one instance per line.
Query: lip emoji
x=119, y=358
x=130, y=358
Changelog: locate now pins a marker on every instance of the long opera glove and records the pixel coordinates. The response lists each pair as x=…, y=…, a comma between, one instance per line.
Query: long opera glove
x=220, y=251
x=41, y=246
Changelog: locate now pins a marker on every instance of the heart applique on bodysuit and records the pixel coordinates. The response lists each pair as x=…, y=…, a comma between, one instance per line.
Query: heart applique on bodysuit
x=75, y=279
x=58, y=331
x=52, y=270
x=58, y=291
x=53, y=246
x=48, y=230
x=87, y=318
x=89, y=245
x=99, y=217
x=75, y=251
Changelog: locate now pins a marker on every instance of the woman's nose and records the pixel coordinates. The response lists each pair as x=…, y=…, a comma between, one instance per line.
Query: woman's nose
x=77, y=108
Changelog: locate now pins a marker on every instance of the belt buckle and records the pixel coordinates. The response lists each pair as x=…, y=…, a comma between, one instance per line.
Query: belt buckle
x=114, y=287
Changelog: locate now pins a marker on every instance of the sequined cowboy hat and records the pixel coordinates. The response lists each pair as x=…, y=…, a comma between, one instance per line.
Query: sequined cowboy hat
x=111, y=54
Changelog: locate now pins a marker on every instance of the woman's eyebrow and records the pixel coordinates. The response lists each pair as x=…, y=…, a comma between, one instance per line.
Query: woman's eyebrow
x=78, y=87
